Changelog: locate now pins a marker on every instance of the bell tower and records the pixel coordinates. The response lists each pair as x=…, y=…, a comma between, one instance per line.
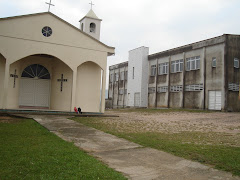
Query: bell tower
x=91, y=24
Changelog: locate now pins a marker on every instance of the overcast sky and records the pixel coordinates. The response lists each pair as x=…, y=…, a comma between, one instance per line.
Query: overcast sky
x=128, y=24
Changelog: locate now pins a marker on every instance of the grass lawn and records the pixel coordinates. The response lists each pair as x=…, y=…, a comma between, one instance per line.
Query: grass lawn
x=190, y=145
x=29, y=151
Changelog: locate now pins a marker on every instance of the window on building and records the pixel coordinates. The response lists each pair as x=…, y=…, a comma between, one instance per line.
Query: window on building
x=47, y=31
x=133, y=73
x=177, y=66
x=126, y=75
x=153, y=70
x=162, y=89
x=125, y=91
x=122, y=75
x=36, y=71
x=121, y=91
x=194, y=87
x=92, y=27
x=214, y=62
x=233, y=87
x=151, y=90
x=111, y=77
x=120, y=97
x=176, y=88
x=116, y=76
x=163, y=68
x=110, y=95
x=236, y=62
x=193, y=63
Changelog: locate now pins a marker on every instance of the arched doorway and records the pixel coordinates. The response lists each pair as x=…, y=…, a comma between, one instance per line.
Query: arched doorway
x=35, y=87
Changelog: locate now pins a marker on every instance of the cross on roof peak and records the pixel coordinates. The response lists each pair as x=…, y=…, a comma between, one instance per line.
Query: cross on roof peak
x=91, y=4
x=50, y=4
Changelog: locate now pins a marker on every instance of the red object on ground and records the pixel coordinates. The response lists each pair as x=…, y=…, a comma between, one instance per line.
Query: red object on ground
x=75, y=109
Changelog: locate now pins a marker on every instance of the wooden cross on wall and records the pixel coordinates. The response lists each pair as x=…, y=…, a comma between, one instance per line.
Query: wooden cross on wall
x=62, y=80
x=14, y=76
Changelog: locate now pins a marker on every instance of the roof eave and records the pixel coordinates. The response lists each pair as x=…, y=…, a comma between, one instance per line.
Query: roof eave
x=27, y=15
x=90, y=18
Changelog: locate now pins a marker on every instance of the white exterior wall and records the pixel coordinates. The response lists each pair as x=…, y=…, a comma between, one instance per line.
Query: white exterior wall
x=86, y=27
x=138, y=59
x=215, y=76
x=73, y=49
x=144, y=85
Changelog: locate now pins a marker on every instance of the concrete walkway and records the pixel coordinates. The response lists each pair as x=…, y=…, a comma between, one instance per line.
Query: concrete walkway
x=133, y=160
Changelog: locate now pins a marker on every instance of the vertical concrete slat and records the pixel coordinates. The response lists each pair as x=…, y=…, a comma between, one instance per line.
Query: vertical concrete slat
x=156, y=84
x=109, y=82
x=226, y=73
x=183, y=92
x=74, y=86
x=5, y=88
x=118, y=86
x=204, y=77
x=113, y=85
x=124, y=85
x=169, y=71
x=223, y=77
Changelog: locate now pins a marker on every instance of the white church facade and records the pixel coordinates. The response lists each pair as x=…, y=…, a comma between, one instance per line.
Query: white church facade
x=47, y=63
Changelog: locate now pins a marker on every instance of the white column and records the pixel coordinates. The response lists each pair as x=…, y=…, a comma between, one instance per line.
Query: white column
x=74, y=87
x=103, y=91
x=5, y=86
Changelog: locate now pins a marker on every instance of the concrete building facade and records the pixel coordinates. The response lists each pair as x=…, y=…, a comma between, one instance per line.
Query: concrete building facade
x=202, y=75
x=118, y=83
x=128, y=82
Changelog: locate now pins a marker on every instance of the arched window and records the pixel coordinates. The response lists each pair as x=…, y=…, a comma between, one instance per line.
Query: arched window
x=36, y=71
x=92, y=27
x=82, y=26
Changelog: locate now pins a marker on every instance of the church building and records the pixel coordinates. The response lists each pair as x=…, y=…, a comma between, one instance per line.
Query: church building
x=47, y=63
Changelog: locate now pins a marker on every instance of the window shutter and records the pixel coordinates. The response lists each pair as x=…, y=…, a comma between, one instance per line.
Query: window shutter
x=236, y=62
x=214, y=62
x=188, y=65
x=172, y=67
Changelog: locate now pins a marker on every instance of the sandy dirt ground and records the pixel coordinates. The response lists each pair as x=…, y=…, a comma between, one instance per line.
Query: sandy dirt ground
x=220, y=126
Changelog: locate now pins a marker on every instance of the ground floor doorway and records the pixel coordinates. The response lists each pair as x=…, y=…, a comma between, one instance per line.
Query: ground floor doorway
x=137, y=99
x=34, y=87
x=214, y=99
